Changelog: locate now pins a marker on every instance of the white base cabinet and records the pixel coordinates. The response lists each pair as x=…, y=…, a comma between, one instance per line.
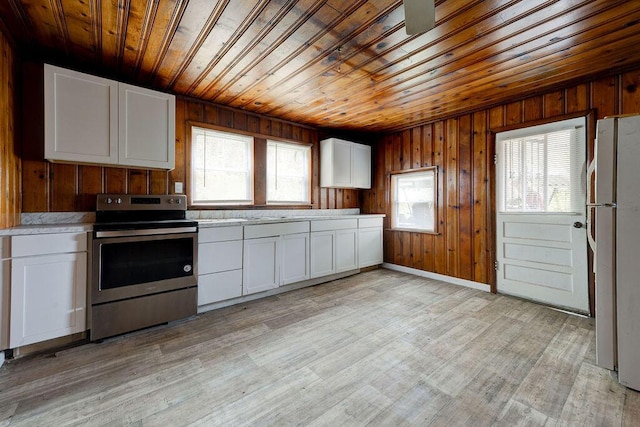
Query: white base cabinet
x=262, y=261
x=239, y=261
x=262, y=265
x=369, y=242
x=295, y=258
x=334, y=246
x=219, y=264
x=275, y=255
x=48, y=291
x=322, y=251
x=346, y=250
x=5, y=291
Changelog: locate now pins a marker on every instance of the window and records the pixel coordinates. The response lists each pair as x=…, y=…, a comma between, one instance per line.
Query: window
x=288, y=170
x=222, y=171
x=414, y=199
x=541, y=168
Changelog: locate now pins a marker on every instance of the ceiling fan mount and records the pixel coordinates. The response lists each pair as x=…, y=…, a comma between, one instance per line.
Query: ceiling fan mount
x=419, y=16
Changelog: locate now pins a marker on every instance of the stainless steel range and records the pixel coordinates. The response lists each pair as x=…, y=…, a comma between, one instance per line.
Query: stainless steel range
x=143, y=263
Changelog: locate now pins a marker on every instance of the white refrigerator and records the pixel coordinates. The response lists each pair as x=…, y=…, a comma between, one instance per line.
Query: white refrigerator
x=616, y=244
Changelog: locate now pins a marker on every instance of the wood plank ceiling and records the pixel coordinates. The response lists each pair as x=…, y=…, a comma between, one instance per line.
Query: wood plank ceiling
x=335, y=63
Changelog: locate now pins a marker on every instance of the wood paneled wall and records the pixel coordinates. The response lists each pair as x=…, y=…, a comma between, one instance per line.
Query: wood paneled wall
x=9, y=143
x=56, y=187
x=462, y=149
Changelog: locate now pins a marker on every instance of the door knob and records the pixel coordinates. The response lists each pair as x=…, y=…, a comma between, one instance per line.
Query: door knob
x=578, y=224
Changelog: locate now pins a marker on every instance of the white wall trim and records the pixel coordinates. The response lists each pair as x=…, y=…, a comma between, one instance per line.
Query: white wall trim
x=1, y=358
x=429, y=275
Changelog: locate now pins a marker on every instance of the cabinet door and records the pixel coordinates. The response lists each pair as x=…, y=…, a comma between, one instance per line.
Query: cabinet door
x=346, y=250
x=81, y=117
x=361, y=166
x=295, y=258
x=48, y=297
x=341, y=164
x=5, y=291
x=322, y=253
x=215, y=257
x=261, y=265
x=370, y=246
x=219, y=286
x=147, y=128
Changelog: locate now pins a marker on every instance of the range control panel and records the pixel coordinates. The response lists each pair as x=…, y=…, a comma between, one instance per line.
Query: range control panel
x=134, y=202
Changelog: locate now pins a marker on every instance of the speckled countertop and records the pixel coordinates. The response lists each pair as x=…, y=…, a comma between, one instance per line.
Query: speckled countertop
x=77, y=222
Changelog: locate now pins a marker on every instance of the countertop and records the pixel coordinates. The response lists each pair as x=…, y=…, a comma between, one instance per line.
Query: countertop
x=79, y=227
x=221, y=222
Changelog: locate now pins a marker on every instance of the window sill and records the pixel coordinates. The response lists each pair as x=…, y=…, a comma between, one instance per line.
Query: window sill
x=247, y=207
x=413, y=230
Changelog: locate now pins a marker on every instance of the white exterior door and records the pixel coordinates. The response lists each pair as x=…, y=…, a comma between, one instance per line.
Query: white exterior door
x=541, y=232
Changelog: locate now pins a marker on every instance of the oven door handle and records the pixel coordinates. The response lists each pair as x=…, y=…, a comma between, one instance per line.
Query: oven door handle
x=145, y=232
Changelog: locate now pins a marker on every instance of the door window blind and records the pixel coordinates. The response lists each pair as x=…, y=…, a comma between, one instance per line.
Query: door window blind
x=542, y=168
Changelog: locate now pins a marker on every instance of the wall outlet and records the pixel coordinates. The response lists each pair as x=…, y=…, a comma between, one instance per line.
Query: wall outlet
x=179, y=188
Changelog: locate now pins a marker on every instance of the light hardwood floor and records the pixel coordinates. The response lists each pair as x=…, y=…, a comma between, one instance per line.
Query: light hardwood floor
x=380, y=348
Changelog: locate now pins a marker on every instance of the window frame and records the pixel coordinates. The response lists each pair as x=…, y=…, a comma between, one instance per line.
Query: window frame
x=393, y=204
x=251, y=161
x=258, y=163
x=578, y=122
x=309, y=148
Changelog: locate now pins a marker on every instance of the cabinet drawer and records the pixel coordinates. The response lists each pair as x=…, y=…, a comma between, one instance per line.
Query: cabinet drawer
x=278, y=229
x=214, y=257
x=219, y=286
x=47, y=244
x=369, y=222
x=334, y=224
x=219, y=234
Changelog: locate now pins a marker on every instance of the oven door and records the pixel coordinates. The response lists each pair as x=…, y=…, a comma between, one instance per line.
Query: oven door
x=135, y=265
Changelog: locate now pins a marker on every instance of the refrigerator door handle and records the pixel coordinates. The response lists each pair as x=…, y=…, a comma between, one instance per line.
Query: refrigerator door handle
x=602, y=205
x=591, y=170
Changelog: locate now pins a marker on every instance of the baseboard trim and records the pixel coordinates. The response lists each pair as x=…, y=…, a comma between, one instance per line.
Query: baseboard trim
x=429, y=275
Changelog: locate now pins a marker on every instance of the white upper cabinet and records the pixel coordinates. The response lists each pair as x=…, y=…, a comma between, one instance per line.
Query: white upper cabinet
x=89, y=119
x=147, y=127
x=344, y=164
x=81, y=117
x=361, y=166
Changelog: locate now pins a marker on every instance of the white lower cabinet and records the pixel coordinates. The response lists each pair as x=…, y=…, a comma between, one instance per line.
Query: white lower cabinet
x=219, y=264
x=295, y=258
x=48, y=291
x=275, y=255
x=262, y=265
x=369, y=242
x=238, y=261
x=334, y=246
x=221, y=286
x=322, y=251
x=346, y=250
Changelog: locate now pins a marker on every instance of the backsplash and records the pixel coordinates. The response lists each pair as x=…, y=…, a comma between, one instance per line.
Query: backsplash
x=267, y=213
x=37, y=218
